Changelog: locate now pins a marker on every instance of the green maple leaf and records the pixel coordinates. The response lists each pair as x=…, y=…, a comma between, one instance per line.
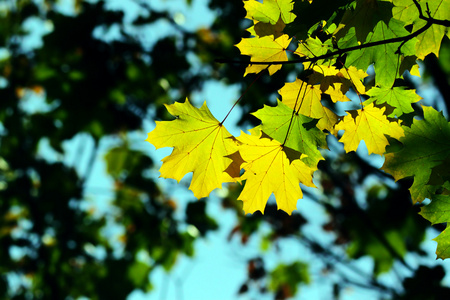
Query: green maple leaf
x=301, y=137
x=397, y=97
x=443, y=240
x=386, y=62
x=405, y=11
x=425, y=145
x=438, y=211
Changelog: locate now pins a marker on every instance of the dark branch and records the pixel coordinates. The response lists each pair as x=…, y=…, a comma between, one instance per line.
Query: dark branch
x=403, y=39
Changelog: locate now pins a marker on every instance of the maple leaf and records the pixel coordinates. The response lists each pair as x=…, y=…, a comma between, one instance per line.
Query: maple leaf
x=269, y=11
x=261, y=29
x=201, y=145
x=305, y=100
x=313, y=47
x=264, y=49
x=405, y=11
x=277, y=120
x=269, y=17
x=268, y=169
x=368, y=124
x=397, y=97
x=355, y=76
x=430, y=40
x=438, y=211
x=425, y=145
x=386, y=62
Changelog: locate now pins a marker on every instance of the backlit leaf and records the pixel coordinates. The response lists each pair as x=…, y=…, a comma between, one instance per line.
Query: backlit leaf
x=305, y=99
x=277, y=120
x=368, y=124
x=397, y=97
x=269, y=11
x=425, y=145
x=264, y=49
x=268, y=170
x=384, y=57
x=201, y=145
x=430, y=40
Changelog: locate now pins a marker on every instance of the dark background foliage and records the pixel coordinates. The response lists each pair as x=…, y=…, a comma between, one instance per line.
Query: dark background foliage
x=95, y=88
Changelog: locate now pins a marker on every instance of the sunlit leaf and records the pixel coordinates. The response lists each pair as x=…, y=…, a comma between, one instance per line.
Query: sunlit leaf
x=264, y=49
x=397, y=97
x=368, y=124
x=270, y=169
x=201, y=145
x=277, y=120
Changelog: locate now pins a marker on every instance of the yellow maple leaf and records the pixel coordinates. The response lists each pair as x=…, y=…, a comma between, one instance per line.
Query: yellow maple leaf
x=372, y=126
x=271, y=168
x=355, y=76
x=201, y=145
x=264, y=49
x=305, y=99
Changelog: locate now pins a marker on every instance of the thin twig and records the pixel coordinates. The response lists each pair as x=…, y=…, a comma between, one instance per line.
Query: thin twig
x=243, y=94
x=403, y=39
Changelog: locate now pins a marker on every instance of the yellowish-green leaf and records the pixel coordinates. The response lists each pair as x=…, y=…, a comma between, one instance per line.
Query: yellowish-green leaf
x=372, y=126
x=269, y=170
x=201, y=145
x=438, y=211
x=430, y=40
x=269, y=11
x=261, y=29
x=266, y=12
x=313, y=47
x=397, y=97
x=443, y=241
x=276, y=121
x=264, y=49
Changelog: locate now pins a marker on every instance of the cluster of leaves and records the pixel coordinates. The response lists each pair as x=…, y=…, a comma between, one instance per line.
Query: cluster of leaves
x=336, y=49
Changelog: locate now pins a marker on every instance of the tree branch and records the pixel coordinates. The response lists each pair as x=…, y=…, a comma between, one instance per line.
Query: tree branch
x=403, y=39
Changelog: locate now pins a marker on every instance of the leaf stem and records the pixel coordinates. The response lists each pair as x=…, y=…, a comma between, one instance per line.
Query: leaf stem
x=242, y=95
x=294, y=110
